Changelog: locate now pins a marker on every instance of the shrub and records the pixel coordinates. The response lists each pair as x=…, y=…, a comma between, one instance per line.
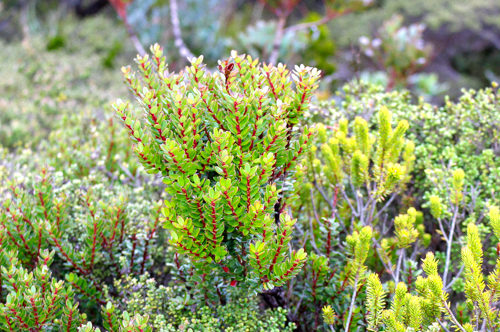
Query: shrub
x=349, y=183
x=102, y=243
x=225, y=143
x=168, y=309
x=35, y=300
x=380, y=238
x=425, y=309
x=460, y=134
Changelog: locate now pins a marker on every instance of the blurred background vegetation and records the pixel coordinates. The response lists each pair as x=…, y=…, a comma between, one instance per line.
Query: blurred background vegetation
x=58, y=53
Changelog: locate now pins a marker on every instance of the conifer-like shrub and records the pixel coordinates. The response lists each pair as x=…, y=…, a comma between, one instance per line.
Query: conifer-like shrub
x=426, y=307
x=459, y=134
x=226, y=143
x=341, y=207
x=350, y=177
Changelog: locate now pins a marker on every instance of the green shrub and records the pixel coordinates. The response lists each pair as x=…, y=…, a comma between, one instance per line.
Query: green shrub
x=169, y=309
x=35, y=301
x=349, y=183
x=225, y=143
x=429, y=307
x=460, y=134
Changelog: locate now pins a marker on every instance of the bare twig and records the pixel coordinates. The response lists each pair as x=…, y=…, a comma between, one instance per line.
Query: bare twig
x=353, y=211
x=398, y=267
x=452, y=317
x=455, y=278
x=449, y=243
x=278, y=37
x=351, y=306
x=323, y=194
x=179, y=43
x=133, y=37
x=442, y=326
x=441, y=227
x=389, y=201
x=388, y=268
x=121, y=10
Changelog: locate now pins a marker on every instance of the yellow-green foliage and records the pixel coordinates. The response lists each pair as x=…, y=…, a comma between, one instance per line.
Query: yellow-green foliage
x=475, y=287
x=328, y=315
x=429, y=306
x=358, y=248
x=494, y=216
x=375, y=301
x=405, y=231
x=436, y=206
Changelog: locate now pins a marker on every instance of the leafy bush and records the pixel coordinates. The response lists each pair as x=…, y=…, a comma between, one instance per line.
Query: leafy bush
x=349, y=183
x=225, y=143
x=168, y=309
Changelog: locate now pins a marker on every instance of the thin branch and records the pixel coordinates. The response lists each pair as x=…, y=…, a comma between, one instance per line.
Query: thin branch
x=450, y=242
x=452, y=317
x=309, y=25
x=441, y=227
x=398, y=267
x=353, y=211
x=278, y=38
x=179, y=43
x=323, y=20
x=135, y=40
x=351, y=306
x=455, y=278
x=313, y=242
x=121, y=10
x=388, y=268
x=323, y=194
x=389, y=201
x=442, y=326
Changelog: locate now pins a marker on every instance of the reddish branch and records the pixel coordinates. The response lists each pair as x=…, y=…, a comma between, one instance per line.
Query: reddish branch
x=148, y=239
x=21, y=321
x=70, y=320
x=278, y=250
x=35, y=314
x=110, y=322
x=259, y=264
x=51, y=306
x=233, y=211
x=248, y=193
x=121, y=8
x=214, y=223
x=66, y=256
x=288, y=272
x=87, y=294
